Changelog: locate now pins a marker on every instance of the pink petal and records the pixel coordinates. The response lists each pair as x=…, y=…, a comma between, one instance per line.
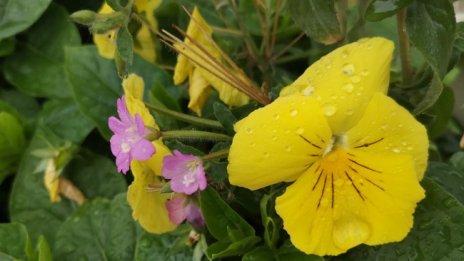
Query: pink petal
x=173, y=165
x=115, y=125
x=178, y=186
x=115, y=143
x=175, y=207
x=122, y=110
x=194, y=216
x=123, y=162
x=140, y=125
x=142, y=150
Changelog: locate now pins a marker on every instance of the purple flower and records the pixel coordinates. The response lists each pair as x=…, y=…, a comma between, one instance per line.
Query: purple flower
x=185, y=172
x=179, y=211
x=128, y=141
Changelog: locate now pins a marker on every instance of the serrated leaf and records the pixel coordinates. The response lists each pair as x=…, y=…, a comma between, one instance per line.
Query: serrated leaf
x=220, y=218
x=18, y=15
x=37, y=66
x=438, y=232
x=323, y=26
x=380, y=9
x=431, y=27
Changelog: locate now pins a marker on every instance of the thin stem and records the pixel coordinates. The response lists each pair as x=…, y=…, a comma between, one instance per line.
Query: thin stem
x=185, y=117
x=274, y=27
x=216, y=155
x=294, y=41
x=226, y=31
x=404, y=46
x=195, y=135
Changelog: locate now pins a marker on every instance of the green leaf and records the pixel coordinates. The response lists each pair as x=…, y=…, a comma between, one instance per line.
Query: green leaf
x=259, y=254
x=457, y=160
x=14, y=242
x=43, y=250
x=438, y=232
x=380, y=9
x=7, y=46
x=225, y=117
x=431, y=27
x=63, y=121
x=98, y=230
x=177, y=145
x=288, y=252
x=449, y=177
x=160, y=97
x=18, y=15
x=105, y=230
x=220, y=218
x=323, y=26
x=442, y=110
x=226, y=249
x=12, y=143
x=431, y=95
x=26, y=106
x=95, y=83
x=459, y=41
x=124, y=45
x=37, y=66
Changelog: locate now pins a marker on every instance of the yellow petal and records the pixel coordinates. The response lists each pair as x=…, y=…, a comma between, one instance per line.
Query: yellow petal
x=133, y=87
x=278, y=142
x=386, y=127
x=199, y=91
x=52, y=181
x=105, y=43
x=345, y=80
x=148, y=7
x=199, y=30
x=148, y=206
x=349, y=198
x=144, y=44
x=228, y=94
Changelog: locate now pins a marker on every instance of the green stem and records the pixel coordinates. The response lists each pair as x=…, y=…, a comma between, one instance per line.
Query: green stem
x=216, y=155
x=185, y=117
x=195, y=135
x=406, y=69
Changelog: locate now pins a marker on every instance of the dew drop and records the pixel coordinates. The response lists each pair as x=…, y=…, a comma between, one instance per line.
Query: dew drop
x=396, y=149
x=409, y=148
x=358, y=94
x=355, y=79
x=348, y=87
x=318, y=98
x=364, y=72
x=252, y=144
x=276, y=116
x=384, y=127
x=267, y=154
x=349, y=112
x=274, y=131
x=287, y=131
x=300, y=131
x=345, y=54
x=329, y=109
x=348, y=69
x=249, y=130
x=293, y=112
x=288, y=148
x=308, y=90
x=334, y=97
x=324, y=202
x=274, y=138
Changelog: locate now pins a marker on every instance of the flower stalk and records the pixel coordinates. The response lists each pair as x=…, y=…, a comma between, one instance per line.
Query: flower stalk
x=195, y=135
x=406, y=69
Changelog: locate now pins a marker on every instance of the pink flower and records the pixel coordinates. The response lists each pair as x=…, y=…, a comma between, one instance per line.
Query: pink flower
x=179, y=211
x=128, y=141
x=185, y=172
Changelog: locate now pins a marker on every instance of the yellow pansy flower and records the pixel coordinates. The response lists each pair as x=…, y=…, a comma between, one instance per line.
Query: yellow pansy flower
x=196, y=61
x=143, y=41
x=147, y=203
x=356, y=157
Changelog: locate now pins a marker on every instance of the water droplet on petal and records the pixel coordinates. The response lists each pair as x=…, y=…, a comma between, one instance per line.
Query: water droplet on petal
x=287, y=131
x=345, y=54
x=252, y=144
x=267, y=154
x=274, y=138
x=329, y=109
x=409, y=148
x=300, y=131
x=364, y=72
x=350, y=231
x=348, y=87
x=276, y=116
x=355, y=79
x=396, y=149
x=348, y=69
x=249, y=130
x=349, y=112
x=308, y=90
x=288, y=148
x=293, y=112
x=384, y=127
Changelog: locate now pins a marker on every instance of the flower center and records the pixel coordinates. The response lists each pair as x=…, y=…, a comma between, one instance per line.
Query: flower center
x=125, y=147
x=340, y=141
x=188, y=179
